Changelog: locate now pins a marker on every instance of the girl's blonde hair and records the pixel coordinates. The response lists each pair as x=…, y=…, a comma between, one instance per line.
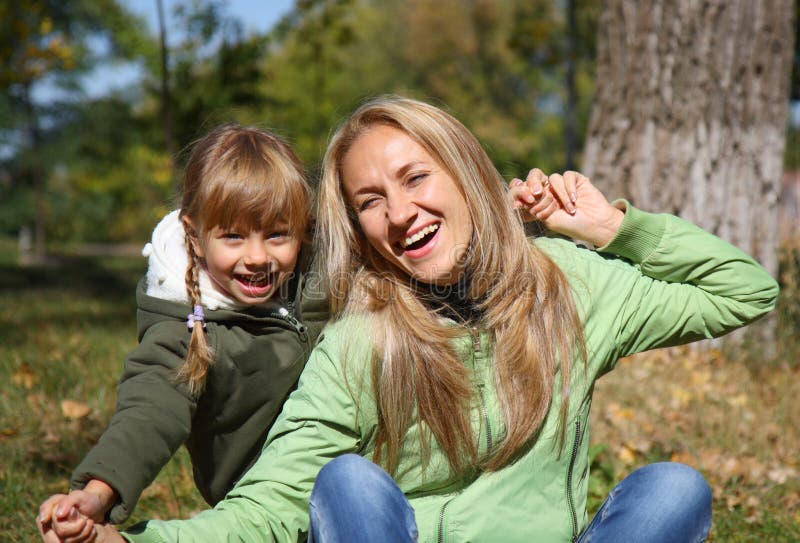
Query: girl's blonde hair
x=237, y=178
x=526, y=302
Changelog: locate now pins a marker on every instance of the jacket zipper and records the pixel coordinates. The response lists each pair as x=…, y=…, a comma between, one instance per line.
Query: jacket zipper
x=440, y=531
x=570, y=497
x=286, y=316
x=486, y=419
x=476, y=348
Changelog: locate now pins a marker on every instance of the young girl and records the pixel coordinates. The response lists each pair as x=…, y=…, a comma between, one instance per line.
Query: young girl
x=227, y=316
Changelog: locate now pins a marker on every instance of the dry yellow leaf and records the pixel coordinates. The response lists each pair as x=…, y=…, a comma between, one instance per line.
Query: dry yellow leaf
x=24, y=377
x=74, y=410
x=738, y=400
x=626, y=454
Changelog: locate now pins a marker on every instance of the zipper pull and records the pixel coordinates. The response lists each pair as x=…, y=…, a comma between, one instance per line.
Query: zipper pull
x=476, y=340
x=288, y=317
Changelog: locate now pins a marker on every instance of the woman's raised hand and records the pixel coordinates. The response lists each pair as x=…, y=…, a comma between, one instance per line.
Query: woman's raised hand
x=567, y=204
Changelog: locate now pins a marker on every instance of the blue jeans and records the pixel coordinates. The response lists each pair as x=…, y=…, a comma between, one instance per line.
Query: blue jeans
x=355, y=501
x=659, y=503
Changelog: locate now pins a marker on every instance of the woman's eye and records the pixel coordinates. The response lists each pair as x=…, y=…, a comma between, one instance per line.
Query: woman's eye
x=367, y=203
x=416, y=178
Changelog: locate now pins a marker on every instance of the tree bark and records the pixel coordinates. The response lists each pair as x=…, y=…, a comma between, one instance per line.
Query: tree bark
x=690, y=112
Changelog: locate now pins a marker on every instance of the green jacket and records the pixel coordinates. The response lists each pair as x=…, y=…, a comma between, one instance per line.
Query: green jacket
x=259, y=354
x=671, y=283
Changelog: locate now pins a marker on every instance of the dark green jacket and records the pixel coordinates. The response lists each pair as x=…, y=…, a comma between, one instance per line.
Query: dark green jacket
x=259, y=354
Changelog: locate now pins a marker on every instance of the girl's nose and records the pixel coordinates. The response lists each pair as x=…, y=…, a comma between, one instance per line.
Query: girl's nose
x=256, y=254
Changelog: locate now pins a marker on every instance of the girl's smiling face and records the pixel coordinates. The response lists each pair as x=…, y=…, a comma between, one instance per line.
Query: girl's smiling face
x=410, y=210
x=248, y=266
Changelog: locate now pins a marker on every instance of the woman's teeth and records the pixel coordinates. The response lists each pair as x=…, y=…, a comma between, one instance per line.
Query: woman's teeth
x=419, y=235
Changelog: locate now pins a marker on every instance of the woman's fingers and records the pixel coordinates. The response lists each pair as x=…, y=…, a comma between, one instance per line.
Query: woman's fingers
x=545, y=208
x=519, y=194
x=69, y=528
x=44, y=521
x=536, y=182
x=86, y=535
x=571, y=181
x=530, y=194
x=558, y=185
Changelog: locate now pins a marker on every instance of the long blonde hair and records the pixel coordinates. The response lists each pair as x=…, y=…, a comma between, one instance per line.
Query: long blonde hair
x=526, y=302
x=236, y=178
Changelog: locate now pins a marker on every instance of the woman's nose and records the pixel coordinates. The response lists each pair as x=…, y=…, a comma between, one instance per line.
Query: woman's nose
x=400, y=210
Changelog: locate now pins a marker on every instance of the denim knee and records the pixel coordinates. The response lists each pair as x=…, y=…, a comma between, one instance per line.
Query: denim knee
x=658, y=503
x=679, y=480
x=350, y=473
x=353, y=500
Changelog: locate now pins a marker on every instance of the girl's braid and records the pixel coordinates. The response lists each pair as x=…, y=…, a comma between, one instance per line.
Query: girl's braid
x=199, y=357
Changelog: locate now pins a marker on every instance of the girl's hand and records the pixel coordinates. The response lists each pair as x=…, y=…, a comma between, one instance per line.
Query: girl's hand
x=579, y=210
x=72, y=528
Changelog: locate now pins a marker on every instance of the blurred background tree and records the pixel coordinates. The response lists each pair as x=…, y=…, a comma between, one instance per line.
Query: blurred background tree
x=519, y=73
x=50, y=42
x=104, y=164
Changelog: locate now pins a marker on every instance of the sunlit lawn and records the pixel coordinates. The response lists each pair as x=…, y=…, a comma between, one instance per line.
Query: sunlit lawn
x=64, y=331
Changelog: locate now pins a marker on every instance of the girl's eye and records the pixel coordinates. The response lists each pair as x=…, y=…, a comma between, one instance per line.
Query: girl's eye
x=231, y=235
x=278, y=235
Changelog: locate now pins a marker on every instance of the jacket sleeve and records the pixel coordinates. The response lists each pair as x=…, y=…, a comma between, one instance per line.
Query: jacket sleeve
x=675, y=284
x=270, y=503
x=152, y=420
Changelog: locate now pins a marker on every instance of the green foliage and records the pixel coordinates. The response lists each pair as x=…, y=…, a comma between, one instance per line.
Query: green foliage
x=602, y=476
x=497, y=66
x=494, y=65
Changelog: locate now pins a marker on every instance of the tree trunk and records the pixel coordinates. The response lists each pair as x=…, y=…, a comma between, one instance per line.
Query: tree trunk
x=166, y=100
x=690, y=112
x=37, y=179
x=571, y=102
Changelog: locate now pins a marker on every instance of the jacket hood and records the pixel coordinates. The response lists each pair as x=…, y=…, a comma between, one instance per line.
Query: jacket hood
x=166, y=267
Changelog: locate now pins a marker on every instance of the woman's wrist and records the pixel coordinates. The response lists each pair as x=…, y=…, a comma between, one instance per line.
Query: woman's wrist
x=607, y=230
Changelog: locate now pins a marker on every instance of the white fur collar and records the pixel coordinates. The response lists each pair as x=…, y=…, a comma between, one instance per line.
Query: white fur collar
x=166, y=267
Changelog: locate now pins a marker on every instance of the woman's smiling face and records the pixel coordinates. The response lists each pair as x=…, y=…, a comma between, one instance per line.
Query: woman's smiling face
x=409, y=208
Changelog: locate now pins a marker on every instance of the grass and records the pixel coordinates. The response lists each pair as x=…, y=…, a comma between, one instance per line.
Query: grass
x=65, y=329
x=64, y=332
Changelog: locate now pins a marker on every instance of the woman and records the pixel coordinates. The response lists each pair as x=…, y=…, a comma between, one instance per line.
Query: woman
x=464, y=357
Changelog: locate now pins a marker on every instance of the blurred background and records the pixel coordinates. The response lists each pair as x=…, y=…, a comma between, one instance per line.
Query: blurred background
x=691, y=108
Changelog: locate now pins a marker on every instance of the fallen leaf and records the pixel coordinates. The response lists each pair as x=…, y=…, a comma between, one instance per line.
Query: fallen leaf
x=626, y=454
x=24, y=377
x=74, y=410
x=781, y=475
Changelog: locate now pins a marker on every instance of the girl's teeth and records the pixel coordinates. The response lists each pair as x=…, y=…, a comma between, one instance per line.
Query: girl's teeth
x=419, y=235
x=253, y=281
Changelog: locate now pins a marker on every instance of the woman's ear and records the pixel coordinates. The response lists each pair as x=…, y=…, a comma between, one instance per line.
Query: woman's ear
x=191, y=235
